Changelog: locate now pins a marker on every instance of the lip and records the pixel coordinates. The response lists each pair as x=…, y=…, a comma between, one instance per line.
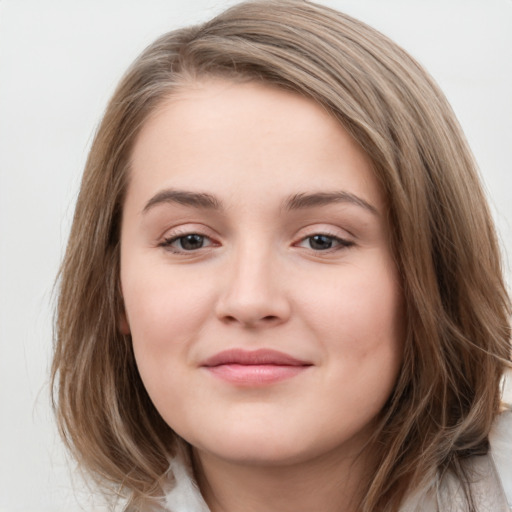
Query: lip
x=254, y=368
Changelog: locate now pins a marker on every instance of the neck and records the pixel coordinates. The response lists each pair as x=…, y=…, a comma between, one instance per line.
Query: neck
x=329, y=483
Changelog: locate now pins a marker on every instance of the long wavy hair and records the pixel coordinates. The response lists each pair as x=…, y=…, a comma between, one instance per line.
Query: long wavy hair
x=457, y=309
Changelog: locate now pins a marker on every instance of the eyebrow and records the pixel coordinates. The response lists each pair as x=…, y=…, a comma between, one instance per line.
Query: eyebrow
x=300, y=201
x=296, y=202
x=186, y=198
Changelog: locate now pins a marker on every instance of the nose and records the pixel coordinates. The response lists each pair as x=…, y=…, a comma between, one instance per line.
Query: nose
x=253, y=291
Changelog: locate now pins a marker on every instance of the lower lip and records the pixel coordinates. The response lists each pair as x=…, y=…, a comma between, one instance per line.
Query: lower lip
x=254, y=375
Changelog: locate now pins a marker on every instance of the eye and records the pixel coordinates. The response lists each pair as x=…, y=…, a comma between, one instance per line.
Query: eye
x=324, y=242
x=187, y=243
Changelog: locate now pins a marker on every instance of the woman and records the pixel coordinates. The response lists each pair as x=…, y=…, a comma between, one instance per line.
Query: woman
x=282, y=282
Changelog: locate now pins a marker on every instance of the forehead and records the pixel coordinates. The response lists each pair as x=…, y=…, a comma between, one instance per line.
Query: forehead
x=220, y=136
x=213, y=106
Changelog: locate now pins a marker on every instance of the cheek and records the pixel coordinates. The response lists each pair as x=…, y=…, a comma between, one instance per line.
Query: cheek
x=164, y=313
x=165, y=319
x=360, y=305
x=359, y=321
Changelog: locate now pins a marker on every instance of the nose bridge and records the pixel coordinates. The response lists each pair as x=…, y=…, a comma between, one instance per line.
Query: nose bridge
x=252, y=271
x=253, y=292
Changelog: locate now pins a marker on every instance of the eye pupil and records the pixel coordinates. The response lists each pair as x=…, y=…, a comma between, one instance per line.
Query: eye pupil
x=191, y=242
x=320, y=242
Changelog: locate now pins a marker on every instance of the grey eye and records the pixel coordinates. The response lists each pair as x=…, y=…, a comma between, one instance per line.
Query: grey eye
x=191, y=242
x=321, y=242
x=324, y=242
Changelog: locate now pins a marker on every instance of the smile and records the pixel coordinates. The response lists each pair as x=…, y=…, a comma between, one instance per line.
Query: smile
x=253, y=368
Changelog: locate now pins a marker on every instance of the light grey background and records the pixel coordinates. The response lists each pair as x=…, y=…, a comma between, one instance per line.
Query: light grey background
x=59, y=63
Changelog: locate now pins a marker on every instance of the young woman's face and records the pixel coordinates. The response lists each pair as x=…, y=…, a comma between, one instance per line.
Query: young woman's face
x=259, y=286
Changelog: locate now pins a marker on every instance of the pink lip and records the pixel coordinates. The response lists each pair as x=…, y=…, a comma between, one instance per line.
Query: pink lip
x=258, y=367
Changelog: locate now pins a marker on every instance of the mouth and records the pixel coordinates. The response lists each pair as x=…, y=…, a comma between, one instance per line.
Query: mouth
x=254, y=368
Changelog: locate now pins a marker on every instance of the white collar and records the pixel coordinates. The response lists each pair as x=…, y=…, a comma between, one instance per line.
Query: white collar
x=184, y=496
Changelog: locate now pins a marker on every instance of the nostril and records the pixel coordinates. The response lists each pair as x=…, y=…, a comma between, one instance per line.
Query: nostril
x=268, y=319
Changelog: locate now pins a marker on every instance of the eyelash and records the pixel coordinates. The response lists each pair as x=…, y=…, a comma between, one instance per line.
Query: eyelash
x=168, y=243
x=340, y=243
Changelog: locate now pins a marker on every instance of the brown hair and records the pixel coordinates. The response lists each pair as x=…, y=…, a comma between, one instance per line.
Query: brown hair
x=458, y=335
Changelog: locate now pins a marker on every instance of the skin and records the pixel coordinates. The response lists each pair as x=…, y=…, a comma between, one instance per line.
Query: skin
x=254, y=277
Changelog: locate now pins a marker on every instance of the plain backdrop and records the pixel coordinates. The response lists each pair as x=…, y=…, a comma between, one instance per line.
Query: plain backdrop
x=59, y=63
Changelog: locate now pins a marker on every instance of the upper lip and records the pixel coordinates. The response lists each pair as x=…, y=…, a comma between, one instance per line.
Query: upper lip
x=253, y=357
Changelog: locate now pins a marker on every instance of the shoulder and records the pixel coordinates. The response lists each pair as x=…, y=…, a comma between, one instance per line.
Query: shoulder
x=490, y=479
x=490, y=476
x=501, y=451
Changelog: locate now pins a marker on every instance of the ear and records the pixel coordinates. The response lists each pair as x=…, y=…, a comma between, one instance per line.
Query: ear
x=124, y=325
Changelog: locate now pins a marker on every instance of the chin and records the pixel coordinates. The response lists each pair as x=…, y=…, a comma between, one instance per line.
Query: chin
x=266, y=448
x=254, y=448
